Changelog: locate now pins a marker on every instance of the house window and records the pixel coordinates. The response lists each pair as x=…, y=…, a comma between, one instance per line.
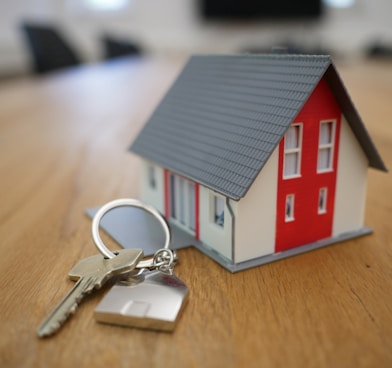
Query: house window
x=326, y=145
x=322, y=202
x=173, y=196
x=292, y=151
x=152, y=176
x=218, y=211
x=182, y=202
x=192, y=205
x=289, y=213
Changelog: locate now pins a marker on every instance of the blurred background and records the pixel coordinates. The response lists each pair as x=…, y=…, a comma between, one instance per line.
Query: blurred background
x=96, y=30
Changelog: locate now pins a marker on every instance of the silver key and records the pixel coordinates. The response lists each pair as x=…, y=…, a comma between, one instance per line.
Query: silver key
x=90, y=273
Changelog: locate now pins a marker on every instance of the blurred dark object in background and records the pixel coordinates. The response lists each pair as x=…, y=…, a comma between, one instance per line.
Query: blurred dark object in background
x=258, y=9
x=114, y=47
x=48, y=48
x=379, y=50
x=287, y=48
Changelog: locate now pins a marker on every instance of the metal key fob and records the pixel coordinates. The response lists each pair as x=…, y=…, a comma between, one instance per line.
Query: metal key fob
x=153, y=300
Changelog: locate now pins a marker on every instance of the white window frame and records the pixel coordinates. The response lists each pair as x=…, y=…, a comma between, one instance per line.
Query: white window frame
x=297, y=151
x=322, y=201
x=152, y=176
x=289, y=212
x=182, y=202
x=329, y=147
x=217, y=207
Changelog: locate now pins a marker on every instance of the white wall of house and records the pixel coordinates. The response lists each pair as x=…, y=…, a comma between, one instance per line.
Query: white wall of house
x=148, y=193
x=351, y=183
x=215, y=236
x=255, y=222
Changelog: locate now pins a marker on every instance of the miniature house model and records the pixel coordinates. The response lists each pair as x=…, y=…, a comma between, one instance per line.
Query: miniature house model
x=258, y=157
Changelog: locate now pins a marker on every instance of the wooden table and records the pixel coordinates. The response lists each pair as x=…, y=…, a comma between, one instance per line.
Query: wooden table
x=63, y=148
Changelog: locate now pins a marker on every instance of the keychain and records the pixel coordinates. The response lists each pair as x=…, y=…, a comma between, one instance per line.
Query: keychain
x=152, y=297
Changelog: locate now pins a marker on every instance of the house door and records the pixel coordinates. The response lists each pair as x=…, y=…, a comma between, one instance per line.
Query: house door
x=308, y=159
x=181, y=202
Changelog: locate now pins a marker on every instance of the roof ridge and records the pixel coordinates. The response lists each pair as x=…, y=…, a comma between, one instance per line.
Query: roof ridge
x=267, y=56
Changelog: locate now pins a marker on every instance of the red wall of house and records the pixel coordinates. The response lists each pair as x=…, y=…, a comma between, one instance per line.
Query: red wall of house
x=309, y=226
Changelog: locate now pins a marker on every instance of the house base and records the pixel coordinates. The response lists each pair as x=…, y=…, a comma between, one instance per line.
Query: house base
x=146, y=234
x=235, y=267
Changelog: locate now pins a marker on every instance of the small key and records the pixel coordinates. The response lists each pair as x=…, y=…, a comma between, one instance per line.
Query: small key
x=91, y=273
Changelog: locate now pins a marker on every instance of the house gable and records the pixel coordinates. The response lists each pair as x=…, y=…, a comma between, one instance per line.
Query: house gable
x=353, y=118
x=300, y=194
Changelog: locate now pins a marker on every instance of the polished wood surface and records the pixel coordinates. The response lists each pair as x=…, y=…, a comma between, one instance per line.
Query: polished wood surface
x=63, y=148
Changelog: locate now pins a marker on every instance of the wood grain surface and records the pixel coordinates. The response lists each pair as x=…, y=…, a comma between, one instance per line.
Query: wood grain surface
x=63, y=148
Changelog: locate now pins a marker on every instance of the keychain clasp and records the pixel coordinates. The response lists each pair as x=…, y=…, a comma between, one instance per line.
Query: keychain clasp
x=163, y=260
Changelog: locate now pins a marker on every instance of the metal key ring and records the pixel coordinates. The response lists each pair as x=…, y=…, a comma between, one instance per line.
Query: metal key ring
x=121, y=203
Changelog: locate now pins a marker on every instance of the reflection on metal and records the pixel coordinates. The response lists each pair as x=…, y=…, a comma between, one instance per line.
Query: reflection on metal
x=153, y=300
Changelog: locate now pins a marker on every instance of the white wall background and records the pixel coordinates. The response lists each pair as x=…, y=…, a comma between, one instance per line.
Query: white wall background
x=173, y=26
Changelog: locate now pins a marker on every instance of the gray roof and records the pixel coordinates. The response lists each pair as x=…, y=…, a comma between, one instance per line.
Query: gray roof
x=224, y=116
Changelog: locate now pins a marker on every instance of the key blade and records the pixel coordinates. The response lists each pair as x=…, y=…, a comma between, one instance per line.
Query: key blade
x=65, y=308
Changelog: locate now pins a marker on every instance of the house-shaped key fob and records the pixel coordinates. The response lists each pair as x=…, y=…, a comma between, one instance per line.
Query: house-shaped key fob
x=153, y=301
